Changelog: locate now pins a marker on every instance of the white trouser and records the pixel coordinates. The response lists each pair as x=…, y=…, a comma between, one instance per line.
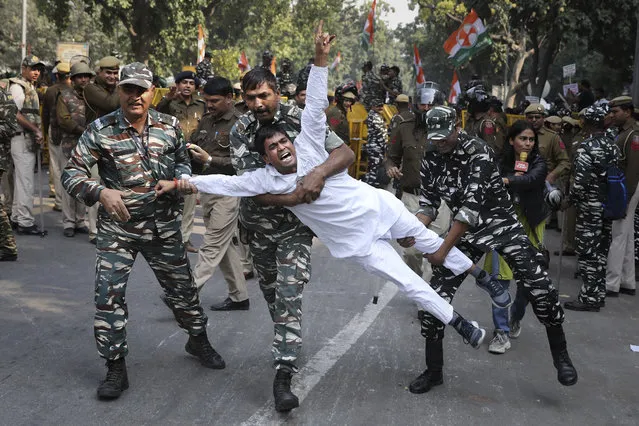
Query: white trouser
x=24, y=162
x=188, y=216
x=413, y=257
x=385, y=262
x=620, y=270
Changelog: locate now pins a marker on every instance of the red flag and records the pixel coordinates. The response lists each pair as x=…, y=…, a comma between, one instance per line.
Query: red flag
x=243, y=63
x=369, y=27
x=419, y=71
x=455, y=89
x=467, y=40
x=337, y=60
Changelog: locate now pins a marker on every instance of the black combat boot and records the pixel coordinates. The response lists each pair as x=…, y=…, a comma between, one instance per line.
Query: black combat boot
x=285, y=400
x=566, y=372
x=116, y=380
x=200, y=347
x=432, y=376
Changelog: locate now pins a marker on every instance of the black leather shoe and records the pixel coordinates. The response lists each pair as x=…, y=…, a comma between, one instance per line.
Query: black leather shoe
x=28, y=230
x=576, y=305
x=229, y=305
x=610, y=293
x=81, y=230
x=628, y=291
x=425, y=381
x=8, y=257
x=566, y=373
x=69, y=232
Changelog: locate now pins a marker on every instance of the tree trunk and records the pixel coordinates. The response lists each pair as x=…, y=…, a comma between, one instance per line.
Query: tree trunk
x=522, y=55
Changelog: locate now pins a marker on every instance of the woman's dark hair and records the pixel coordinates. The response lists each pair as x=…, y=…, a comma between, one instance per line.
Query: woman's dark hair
x=258, y=76
x=508, y=152
x=264, y=133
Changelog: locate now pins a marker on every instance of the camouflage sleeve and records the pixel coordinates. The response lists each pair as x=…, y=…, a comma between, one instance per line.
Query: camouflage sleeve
x=182, y=160
x=242, y=158
x=64, y=117
x=429, y=201
x=76, y=175
x=583, y=165
x=481, y=168
x=8, y=121
x=561, y=156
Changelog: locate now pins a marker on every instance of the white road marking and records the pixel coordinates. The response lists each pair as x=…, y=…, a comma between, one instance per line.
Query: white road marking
x=317, y=367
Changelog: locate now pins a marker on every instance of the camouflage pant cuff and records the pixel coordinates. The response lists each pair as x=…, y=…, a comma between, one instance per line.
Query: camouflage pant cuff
x=282, y=365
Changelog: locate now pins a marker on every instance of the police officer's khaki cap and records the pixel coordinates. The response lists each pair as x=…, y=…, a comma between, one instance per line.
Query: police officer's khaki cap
x=109, y=62
x=620, y=101
x=535, y=109
x=62, y=68
x=331, y=93
x=571, y=121
x=553, y=119
x=349, y=95
x=402, y=98
x=237, y=86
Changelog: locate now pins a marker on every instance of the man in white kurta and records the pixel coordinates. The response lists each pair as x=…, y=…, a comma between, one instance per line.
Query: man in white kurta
x=353, y=219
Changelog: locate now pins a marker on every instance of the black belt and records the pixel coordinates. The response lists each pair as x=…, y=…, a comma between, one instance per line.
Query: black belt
x=414, y=191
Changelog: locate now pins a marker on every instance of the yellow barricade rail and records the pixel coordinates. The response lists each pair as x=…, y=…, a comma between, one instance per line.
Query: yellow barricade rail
x=159, y=94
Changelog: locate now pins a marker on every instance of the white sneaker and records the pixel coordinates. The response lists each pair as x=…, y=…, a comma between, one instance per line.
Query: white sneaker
x=500, y=343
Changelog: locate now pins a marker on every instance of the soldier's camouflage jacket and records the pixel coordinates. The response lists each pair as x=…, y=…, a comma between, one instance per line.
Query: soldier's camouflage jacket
x=265, y=219
x=468, y=180
x=204, y=70
x=134, y=164
x=372, y=89
x=8, y=127
x=71, y=117
x=592, y=159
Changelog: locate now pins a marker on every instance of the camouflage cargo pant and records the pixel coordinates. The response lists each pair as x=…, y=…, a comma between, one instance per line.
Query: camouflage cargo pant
x=283, y=263
x=517, y=250
x=375, y=163
x=7, y=240
x=115, y=257
x=593, y=236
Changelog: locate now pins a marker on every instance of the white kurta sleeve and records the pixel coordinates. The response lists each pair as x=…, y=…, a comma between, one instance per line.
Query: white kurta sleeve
x=309, y=145
x=249, y=184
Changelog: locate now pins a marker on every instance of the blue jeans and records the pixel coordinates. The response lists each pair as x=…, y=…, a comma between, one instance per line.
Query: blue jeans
x=517, y=310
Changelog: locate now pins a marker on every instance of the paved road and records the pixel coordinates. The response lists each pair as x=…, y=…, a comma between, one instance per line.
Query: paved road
x=357, y=361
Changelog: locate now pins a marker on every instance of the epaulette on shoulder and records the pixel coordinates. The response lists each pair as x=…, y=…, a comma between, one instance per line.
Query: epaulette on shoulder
x=166, y=119
x=106, y=121
x=473, y=145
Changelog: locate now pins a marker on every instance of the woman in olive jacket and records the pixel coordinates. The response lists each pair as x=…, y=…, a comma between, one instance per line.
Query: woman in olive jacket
x=526, y=189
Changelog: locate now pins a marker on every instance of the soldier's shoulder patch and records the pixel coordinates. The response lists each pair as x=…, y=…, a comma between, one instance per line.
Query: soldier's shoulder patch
x=334, y=121
x=165, y=119
x=106, y=121
x=561, y=144
x=634, y=145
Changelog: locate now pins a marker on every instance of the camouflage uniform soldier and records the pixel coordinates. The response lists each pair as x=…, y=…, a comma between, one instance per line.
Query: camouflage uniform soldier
x=280, y=244
x=134, y=147
x=285, y=76
x=375, y=147
x=463, y=172
x=8, y=128
x=204, y=69
x=71, y=117
x=593, y=230
x=394, y=85
x=372, y=90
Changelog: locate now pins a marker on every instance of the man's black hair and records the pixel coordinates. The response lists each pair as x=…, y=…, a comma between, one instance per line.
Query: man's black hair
x=258, y=76
x=218, y=86
x=264, y=133
x=395, y=68
x=300, y=89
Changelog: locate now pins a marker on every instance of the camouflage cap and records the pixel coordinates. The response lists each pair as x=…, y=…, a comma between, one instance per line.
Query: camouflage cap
x=535, y=109
x=402, y=98
x=440, y=121
x=109, y=62
x=553, y=119
x=621, y=101
x=80, y=68
x=595, y=114
x=31, y=61
x=136, y=73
